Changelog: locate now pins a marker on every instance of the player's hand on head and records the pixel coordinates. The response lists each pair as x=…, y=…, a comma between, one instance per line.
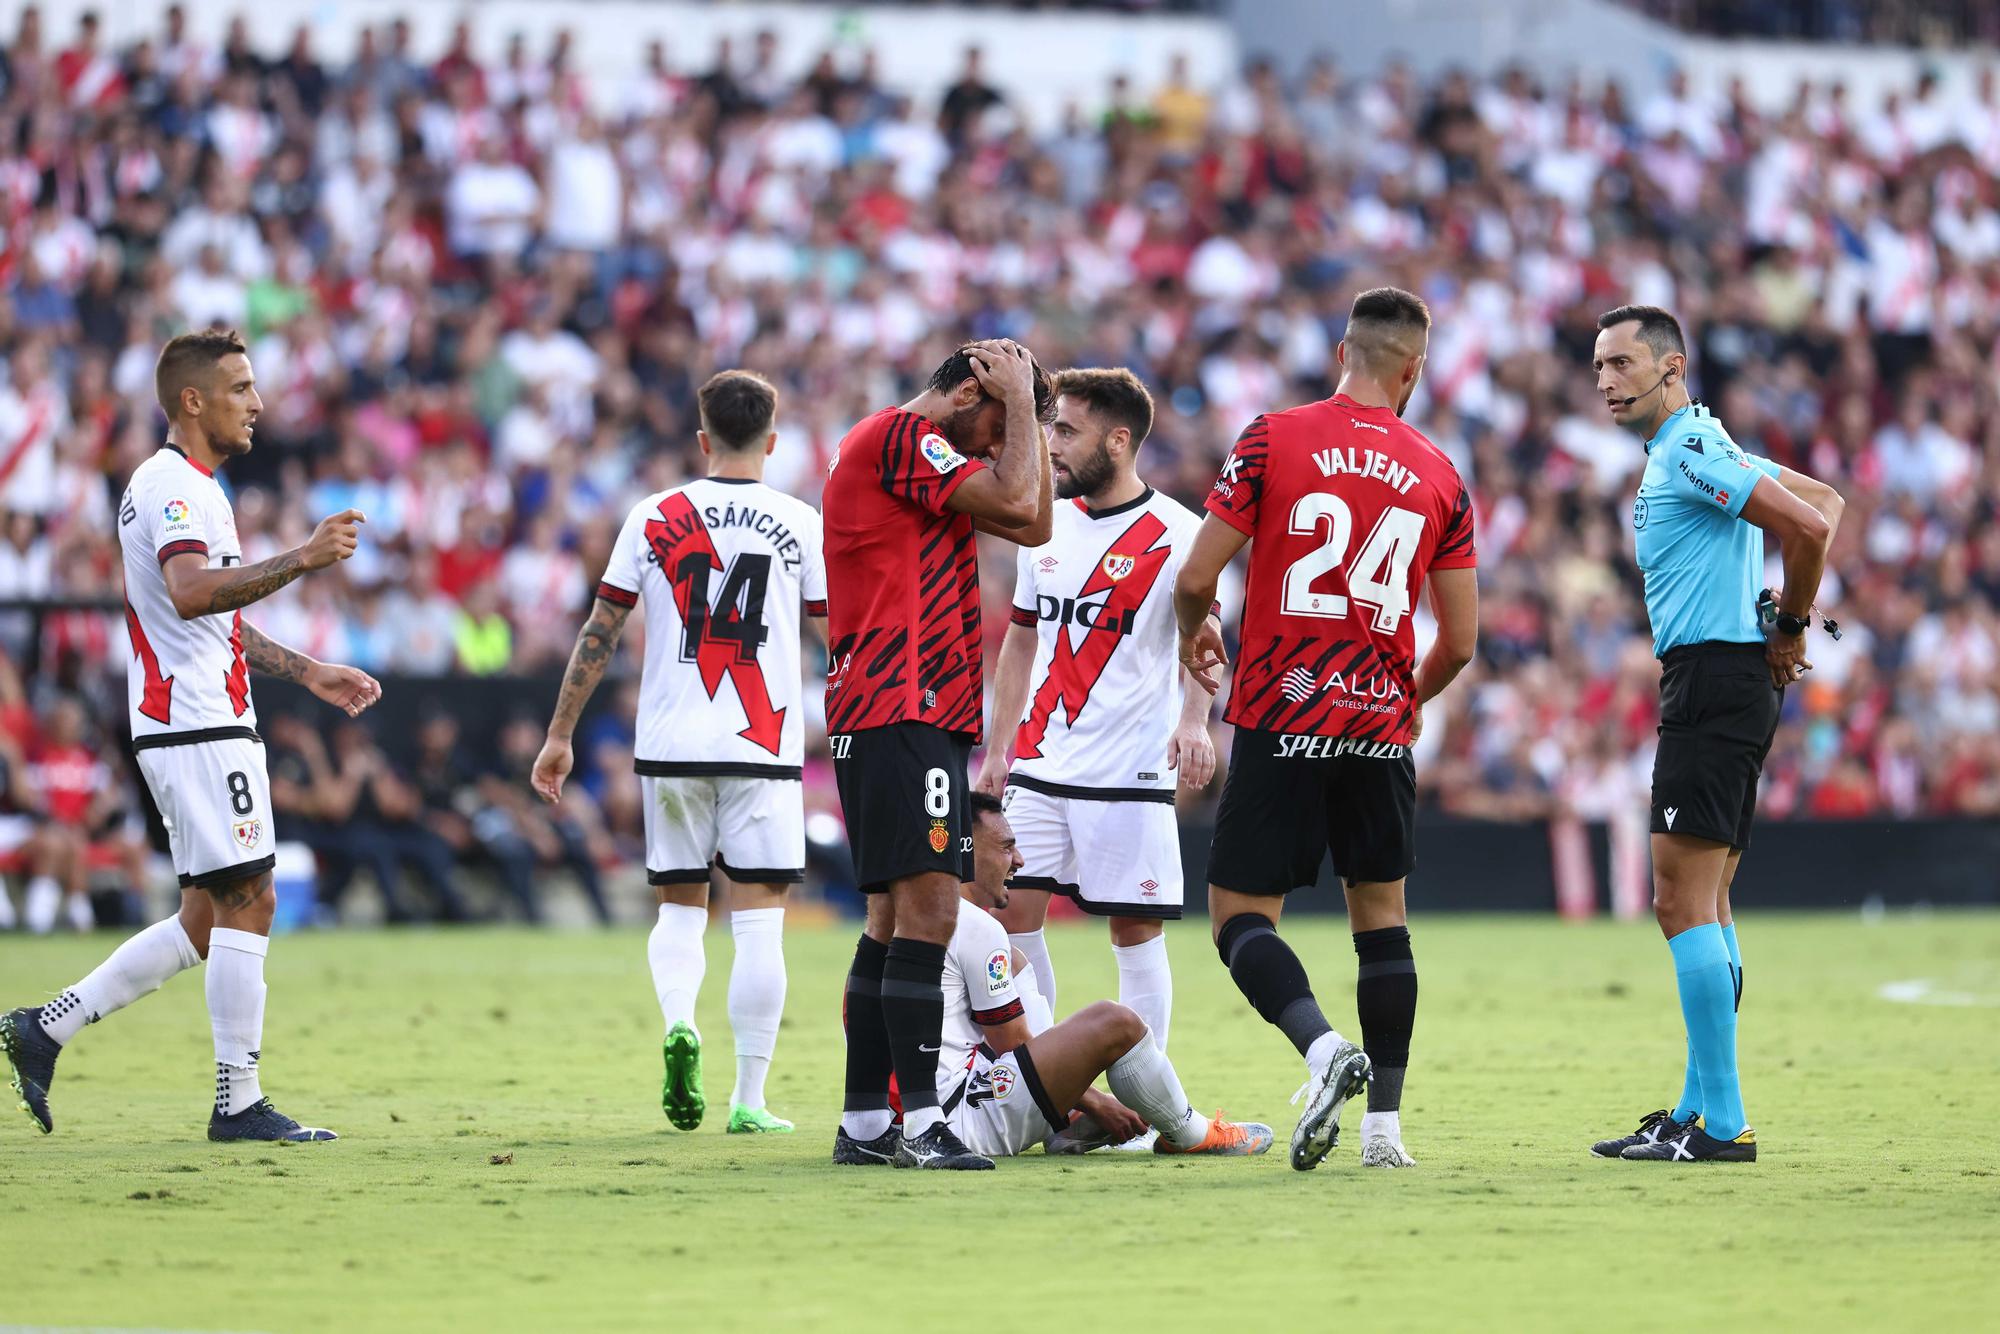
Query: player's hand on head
x=552, y=766
x=1004, y=369
x=335, y=539
x=1204, y=656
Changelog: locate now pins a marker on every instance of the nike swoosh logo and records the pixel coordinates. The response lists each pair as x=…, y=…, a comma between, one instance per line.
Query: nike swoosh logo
x=932, y=1050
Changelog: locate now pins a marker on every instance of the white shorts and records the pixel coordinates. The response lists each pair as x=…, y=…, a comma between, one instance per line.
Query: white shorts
x=1001, y=1109
x=215, y=800
x=754, y=829
x=1115, y=858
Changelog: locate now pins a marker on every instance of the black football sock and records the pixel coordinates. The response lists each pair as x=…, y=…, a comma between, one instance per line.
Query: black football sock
x=913, y=1012
x=1271, y=978
x=866, y=1111
x=1385, y=995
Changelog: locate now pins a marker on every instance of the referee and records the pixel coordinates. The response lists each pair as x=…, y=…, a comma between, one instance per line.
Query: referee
x=1723, y=674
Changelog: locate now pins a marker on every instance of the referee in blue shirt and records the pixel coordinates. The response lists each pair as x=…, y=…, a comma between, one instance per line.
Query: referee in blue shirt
x=1696, y=526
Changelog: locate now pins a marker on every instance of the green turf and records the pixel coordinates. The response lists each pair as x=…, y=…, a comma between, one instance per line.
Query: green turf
x=1877, y=1202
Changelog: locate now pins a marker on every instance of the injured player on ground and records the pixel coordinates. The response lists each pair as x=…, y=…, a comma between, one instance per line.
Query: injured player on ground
x=1008, y=1079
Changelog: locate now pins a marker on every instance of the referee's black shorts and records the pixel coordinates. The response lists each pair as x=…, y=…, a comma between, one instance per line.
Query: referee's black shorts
x=1718, y=713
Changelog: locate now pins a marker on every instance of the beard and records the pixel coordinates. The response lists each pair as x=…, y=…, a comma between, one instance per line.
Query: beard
x=959, y=426
x=1088, y=475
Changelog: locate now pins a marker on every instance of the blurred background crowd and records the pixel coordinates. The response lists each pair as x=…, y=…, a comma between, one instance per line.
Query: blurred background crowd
x=480, y=294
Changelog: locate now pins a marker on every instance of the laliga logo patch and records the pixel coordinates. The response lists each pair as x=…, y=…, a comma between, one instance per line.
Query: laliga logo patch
x=1116, y=567
x=997, y=969
x=249, y=833
x=940, y=838
x=937, y=452
x=177, y=511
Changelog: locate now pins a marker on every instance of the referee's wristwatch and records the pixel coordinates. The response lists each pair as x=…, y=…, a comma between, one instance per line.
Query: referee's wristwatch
x=1789, y=624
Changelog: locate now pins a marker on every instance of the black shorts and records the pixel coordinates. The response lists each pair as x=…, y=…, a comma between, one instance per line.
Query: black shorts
x=1290, y=800
x=1718, y=713
x=904, y=792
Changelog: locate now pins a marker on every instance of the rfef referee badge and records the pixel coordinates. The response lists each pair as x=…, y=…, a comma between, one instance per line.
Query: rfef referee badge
x=940, y=837
x=1639, y=513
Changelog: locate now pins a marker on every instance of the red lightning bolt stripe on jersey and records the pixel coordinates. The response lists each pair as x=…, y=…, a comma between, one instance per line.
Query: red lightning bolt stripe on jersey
x=1106, y=685
x=725, y=568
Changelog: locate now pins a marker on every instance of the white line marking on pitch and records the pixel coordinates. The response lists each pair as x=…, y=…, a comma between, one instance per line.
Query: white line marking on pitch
x=1923, y=991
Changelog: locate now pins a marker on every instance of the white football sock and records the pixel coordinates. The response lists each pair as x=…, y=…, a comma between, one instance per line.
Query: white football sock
x=7, y=917
x=1144, y=1080
x=1146, y=984
x=1389, y=1124
x=82, y=917
x=916, y=1120
x=867, y=1125
x=43, y=902
x=139, y=967
x=235, y=986
x=679, y=961
x=1034, y=1005
x=1320, y=1055
x=756, y=997
x=1036, y=947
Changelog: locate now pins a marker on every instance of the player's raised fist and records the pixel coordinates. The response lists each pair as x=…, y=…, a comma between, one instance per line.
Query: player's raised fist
x=334, y=540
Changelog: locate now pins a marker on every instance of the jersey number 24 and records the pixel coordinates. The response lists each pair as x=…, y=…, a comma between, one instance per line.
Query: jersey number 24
x=1380, y=575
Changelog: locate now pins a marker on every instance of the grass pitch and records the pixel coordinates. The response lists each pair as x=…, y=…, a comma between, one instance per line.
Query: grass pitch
x=505, y=1164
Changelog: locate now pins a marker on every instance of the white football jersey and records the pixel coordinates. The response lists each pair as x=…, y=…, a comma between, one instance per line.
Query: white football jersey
x=1106, y=689
x=978, y=989
x=724, y=567
x=186, y=676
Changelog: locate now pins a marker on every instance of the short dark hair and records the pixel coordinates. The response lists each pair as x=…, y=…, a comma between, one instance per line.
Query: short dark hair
x=957, y=369
x=985, y=803
x=737, y=408
x=1390, y=306
x=188, y=360
x=1114, y=393
x=1658, y=329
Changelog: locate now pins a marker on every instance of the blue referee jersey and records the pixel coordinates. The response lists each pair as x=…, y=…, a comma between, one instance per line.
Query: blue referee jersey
x=1702, y=563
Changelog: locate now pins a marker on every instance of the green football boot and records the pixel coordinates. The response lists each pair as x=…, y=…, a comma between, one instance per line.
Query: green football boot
x=680, y=1094
x=756, y=1121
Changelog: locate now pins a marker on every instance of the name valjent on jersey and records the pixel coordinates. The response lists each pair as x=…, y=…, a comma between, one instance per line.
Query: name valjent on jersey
x=1339, y=459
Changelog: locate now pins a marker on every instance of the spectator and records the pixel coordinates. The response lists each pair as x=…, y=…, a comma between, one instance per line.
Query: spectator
x=517, y=831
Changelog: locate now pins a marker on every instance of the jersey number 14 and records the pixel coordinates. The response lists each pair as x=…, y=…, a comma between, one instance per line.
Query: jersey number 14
x=1380, y=575
x=737, y=615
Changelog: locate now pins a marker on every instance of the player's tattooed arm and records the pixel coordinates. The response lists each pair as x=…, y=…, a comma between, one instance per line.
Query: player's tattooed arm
x=268, y=656
x=595, y=644
x=197, y=590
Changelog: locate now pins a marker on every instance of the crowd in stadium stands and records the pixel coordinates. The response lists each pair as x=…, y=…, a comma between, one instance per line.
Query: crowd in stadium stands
x=480, y=294
x=1938, y=24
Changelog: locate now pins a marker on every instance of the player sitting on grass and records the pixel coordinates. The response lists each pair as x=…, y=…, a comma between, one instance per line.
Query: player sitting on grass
x=1006, y=1079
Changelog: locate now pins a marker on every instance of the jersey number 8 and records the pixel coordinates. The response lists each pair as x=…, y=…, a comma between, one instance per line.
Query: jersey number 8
x=1380, y=576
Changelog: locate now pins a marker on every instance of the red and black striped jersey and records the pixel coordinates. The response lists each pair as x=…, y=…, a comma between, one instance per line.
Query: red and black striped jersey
x=902, y=579
x=1348, y=510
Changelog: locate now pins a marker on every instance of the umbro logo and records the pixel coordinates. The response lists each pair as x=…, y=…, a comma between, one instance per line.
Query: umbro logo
x=1670, y=813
